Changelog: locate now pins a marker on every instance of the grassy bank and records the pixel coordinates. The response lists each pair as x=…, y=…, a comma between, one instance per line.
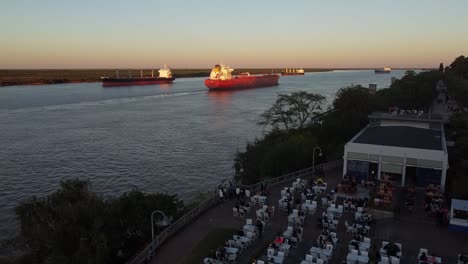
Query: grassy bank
x=37, y=77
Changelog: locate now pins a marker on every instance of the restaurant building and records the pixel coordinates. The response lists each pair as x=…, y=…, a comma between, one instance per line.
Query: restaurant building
x=409, y=146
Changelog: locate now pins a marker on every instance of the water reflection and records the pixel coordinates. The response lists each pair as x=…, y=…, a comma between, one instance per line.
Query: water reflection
x=221, y=97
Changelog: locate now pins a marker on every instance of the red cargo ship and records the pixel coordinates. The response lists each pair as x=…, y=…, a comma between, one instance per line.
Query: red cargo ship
x=221, y=78
x=165, y=76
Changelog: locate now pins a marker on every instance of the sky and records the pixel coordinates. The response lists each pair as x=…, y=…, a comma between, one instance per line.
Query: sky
x=82, y=34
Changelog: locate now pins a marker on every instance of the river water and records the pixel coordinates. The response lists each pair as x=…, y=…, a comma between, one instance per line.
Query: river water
x=175, y=138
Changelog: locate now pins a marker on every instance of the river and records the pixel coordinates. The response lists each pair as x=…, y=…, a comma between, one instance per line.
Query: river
x=175, y=138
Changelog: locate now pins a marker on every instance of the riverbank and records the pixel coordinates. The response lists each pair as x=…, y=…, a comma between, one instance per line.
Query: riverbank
x=41, y=77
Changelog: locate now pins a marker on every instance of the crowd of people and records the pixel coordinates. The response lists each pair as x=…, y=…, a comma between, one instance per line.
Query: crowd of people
x=435, y=203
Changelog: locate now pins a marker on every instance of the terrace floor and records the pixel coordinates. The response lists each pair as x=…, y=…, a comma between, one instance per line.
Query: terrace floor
x=413, y=230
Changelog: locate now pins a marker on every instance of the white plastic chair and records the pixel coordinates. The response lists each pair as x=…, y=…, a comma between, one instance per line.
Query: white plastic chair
x=394, y=260
x=309, y=258
x=248, y=221
x=241, y=213
x=235, y=213
x=232, y=258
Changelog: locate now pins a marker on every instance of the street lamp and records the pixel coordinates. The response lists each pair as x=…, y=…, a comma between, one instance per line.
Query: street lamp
x=313, y=158
x=165, y=221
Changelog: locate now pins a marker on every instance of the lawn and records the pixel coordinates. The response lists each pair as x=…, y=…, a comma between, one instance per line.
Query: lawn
x=212, y=240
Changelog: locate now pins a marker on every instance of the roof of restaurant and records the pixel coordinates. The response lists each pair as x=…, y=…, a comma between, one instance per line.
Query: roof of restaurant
x=401, y=136
x=425, y=117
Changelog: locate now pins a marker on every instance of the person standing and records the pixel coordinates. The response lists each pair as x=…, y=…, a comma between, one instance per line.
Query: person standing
x=221, y=195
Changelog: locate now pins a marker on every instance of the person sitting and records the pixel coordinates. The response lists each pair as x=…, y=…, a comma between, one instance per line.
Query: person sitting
x=357, y=237
x=355, y=244
x=223, y=253
x=240, y=232
x=279, y=240
x=321, y=243
x=423, y=258
x=259, y=227
x=433, y=260
x=319, y=181
x=463, y=258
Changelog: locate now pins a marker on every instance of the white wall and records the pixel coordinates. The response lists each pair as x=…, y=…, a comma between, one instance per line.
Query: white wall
x=404, y=123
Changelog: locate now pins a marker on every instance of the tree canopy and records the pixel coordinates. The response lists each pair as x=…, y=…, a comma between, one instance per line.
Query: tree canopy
x=293, y=111
x=74, y=225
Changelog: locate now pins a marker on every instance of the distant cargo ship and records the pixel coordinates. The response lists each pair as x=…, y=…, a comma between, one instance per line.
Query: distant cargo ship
x=293, y=72
x=384, y=70
x=165, y=76
x=221, y=78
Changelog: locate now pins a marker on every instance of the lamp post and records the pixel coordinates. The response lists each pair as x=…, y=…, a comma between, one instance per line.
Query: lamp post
x=313, y=158
x=165, y=221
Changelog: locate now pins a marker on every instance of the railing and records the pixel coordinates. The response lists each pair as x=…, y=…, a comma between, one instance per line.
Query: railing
x=147, y=253
x=293, y=175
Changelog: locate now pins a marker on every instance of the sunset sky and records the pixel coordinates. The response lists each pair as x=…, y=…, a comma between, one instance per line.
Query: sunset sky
x=251, y=33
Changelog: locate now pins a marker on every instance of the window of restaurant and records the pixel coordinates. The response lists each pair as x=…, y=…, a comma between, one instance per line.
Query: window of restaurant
x=358, y=169
x=426, y=176
x=394, y=171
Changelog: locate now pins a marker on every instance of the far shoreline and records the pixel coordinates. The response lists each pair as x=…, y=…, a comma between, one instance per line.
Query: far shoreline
x=19, y=77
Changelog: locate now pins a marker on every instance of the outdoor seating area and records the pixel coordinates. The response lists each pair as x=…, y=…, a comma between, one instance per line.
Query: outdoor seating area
x=390, y=253
x=319, y=186
x=347, y=185
x=435, y=202
x=384, y=192
x=358, y=250
x=425, y=258
x=231, y=249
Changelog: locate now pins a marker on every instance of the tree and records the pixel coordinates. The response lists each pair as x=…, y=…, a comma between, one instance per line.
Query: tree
x=460, y=67
x=293, y=111
x=410, y=73
x=74, y=225
x=441, y=67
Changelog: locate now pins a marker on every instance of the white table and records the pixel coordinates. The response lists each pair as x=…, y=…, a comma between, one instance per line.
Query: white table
x=212, y=261
x=242, y=239
x=248, y=228
x=333, y=210
x=319, y=251
x=363, y=259
x=284, y=247
x=231, y=250
x=277, y=259
x=258, y=199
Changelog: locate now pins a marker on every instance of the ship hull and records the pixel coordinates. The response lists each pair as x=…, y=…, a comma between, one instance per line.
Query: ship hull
x=290, y=73
x=242, y=82
x=381, y=71
x=132, y=81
